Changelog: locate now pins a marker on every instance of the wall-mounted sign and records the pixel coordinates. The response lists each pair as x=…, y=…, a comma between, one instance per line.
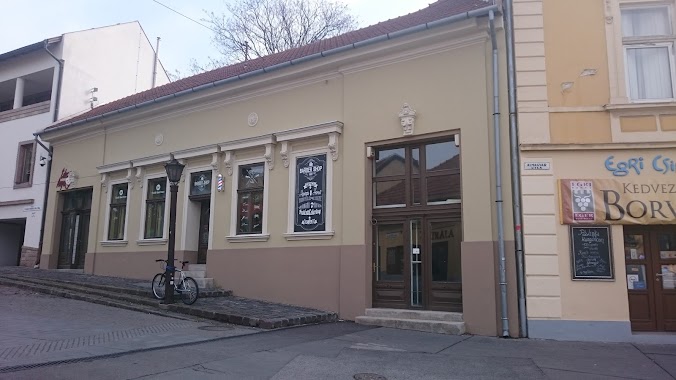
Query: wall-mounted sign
x=200, y=183
x=67, y=179
x=591, y=253
x=637, y=165
x=536, y=166
x=310, y=194
x=610, y=201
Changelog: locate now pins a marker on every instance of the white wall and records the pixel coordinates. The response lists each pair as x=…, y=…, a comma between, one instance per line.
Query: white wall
x=118, y=60
x=10, y=243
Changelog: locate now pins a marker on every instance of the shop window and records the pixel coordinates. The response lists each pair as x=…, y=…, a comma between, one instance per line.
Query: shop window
x=156, y=194
x=648, y=41
x=24, y=165
x=250, y=188
x=118, y=211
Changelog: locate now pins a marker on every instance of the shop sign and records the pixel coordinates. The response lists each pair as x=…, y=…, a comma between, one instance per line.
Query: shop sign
x=591, y=251
x=610, y=201
x=67, y=179
x=310, y=194
x=200, y=183
x=659, y=164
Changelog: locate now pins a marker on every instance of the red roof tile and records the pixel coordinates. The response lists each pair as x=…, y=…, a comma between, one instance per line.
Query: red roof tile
x=436, y=11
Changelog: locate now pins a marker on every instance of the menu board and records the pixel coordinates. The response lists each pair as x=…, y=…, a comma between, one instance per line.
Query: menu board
x=310, y=197
x=591, y=253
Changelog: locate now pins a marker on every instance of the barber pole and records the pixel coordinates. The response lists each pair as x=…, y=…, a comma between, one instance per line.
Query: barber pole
x=220, y=183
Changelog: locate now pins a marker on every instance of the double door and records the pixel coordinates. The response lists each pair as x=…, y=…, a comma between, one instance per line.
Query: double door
x=650, y=258
x=416, y=264
x=75, y=214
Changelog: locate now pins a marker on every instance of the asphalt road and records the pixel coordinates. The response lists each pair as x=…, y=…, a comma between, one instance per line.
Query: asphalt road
x=329, y=351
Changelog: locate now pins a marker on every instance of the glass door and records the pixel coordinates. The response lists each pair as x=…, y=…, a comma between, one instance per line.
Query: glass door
x=203, y=235
x=445, y=272
x=664, y=270
x=390, y=265
x=74, y=229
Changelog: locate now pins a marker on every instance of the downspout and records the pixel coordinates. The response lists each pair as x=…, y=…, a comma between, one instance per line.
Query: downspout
x=502, y=266
x=50, y=151
x=156, y=56
x=516, y=168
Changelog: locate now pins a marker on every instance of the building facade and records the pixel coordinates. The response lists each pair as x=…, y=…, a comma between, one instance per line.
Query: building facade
x=352, y=173
x=40, y=83
x=597, y=120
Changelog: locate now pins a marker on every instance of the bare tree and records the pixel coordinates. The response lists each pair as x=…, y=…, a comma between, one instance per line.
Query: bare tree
x=255, y=28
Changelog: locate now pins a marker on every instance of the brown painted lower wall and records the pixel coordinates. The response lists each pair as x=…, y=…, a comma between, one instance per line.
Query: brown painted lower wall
x=328, y=278
x=139, y=265
x=481, y=291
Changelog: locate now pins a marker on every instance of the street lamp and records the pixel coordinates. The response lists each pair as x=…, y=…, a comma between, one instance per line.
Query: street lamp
x=174, y=170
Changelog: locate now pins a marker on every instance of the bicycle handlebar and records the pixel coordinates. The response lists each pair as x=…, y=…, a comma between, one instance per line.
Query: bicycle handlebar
x=158, y=260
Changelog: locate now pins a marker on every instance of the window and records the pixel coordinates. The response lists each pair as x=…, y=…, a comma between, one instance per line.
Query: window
x=417, y=175
x=155, y=201
x=250, y=187
x=648, y=40
x=118, y=211
x=24, y=165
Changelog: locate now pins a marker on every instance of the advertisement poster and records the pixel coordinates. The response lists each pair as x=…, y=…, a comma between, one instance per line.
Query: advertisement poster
x=310, y=194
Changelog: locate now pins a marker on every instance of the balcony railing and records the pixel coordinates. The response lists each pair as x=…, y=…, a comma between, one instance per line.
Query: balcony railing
x=31, y=110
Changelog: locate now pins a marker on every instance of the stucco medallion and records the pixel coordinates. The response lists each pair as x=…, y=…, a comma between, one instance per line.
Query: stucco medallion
x=253, y=119
x=407, y=118
x=159, y=139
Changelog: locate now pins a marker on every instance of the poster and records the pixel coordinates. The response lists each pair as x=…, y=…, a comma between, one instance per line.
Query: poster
x=310, y=210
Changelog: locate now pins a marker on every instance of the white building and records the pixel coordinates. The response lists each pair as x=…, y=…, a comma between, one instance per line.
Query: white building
x=50, y=80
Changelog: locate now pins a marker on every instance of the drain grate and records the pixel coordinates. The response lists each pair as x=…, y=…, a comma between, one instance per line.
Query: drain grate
x=215, y=328
x=369, y=376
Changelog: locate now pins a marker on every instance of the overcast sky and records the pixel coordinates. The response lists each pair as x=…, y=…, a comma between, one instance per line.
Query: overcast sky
x=23, y=22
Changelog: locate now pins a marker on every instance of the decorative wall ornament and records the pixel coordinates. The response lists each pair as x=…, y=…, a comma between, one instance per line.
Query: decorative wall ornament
x=229, y=158
x=139, y=176
x=130, y=178
x=214, y=161
x=270, y=155
x=407, y=117
x=252, y=119
x=67, y=179
x=333, y=145
x=104, y=182
x=159, y=139
x=609, y=12
x=284, y=152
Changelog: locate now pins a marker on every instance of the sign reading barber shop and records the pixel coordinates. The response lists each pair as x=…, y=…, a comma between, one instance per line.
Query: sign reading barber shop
x=614, y=201
x=310, y=197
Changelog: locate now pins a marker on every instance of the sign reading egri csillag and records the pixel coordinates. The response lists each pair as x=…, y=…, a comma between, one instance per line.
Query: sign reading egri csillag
x=310, y=196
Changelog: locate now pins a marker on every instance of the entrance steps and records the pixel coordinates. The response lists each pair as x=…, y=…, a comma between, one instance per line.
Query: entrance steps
x=438, y=322
x=199, y=273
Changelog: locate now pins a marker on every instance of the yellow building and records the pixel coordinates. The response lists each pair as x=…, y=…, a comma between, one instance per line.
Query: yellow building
x=597, y=124
x=353, y=174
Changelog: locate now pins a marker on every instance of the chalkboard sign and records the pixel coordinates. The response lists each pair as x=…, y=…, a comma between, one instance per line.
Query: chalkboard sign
x=310, y=193
x=592, y=257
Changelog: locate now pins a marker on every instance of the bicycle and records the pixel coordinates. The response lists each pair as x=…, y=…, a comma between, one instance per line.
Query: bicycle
x=185, y=286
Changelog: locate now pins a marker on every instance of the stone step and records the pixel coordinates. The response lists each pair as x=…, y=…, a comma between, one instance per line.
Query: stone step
x=205, y=283
x=197, y=267
x=437, y=327
x=426, y=315
x=195, y=273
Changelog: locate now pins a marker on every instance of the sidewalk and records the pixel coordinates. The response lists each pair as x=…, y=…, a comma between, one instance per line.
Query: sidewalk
x=136, y=295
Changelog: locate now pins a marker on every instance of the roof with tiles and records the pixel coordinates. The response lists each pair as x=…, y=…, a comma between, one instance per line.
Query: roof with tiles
x=436, y=11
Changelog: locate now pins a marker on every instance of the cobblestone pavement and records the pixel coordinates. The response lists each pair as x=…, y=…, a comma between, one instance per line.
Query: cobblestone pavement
x=243, y=311
x=38, y=328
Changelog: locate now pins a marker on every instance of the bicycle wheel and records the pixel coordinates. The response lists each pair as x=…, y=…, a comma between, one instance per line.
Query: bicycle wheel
x=158, y=286
x=189, y=291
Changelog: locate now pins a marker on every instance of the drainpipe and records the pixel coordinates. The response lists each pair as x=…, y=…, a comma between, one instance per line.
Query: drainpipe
x=157, y=53
x=516, y=168
x=49, y=150
x=498, y=182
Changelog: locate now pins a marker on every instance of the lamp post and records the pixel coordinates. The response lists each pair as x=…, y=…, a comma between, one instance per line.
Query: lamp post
x=174, y=170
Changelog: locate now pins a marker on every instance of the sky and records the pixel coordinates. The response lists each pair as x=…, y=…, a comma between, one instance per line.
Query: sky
x=23, y=22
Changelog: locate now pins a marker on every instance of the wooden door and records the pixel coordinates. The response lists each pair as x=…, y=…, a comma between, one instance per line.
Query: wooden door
x=650, y=256
x=203, y=234
x=391, y=258
x=74, y=229
x=443, y=285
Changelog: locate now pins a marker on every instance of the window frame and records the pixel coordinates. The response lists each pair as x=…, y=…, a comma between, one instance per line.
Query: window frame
x=19, y=167
x=328, y=196
x=106, y=233
x=643, y=42
x=144, y=202
x=264, y=235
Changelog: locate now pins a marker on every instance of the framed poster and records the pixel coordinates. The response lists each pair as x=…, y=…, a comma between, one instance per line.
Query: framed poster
x=591, y=253
x=310, y=196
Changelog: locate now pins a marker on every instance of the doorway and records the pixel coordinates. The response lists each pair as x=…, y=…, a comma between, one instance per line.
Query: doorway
x=650, y=258
x=75, y=214
x=417, y=226
x=203, y=232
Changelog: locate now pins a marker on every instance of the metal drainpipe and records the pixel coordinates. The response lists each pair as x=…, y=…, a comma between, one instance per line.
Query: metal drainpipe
x=498, y=182
x=50, y=151
x=515, y=166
